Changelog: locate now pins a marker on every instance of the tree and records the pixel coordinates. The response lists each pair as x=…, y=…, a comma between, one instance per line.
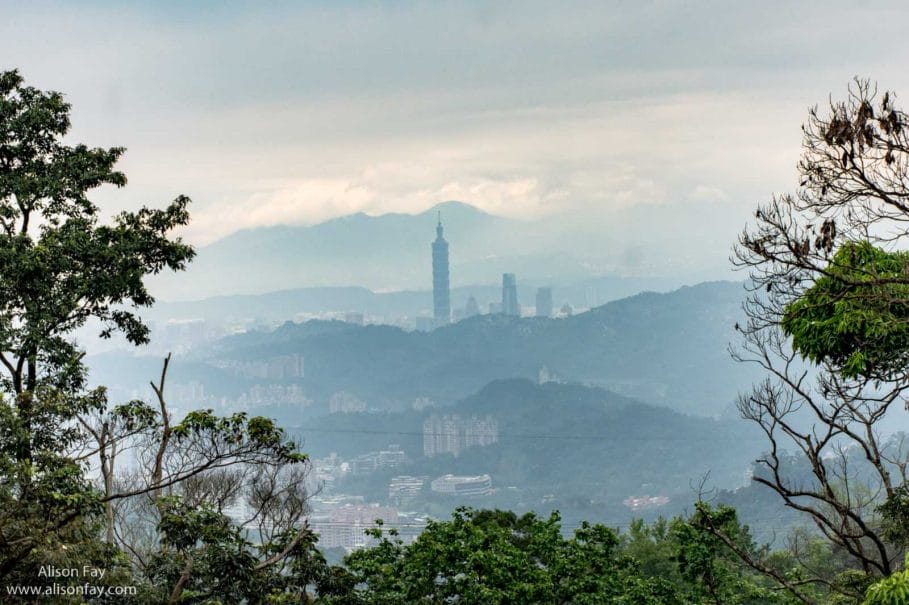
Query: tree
x=856, y=315
x=692, y=553
x=59, y=267
x=493, y=557
x=160, y=521
x=893, y=590
x=168, y=512
x=827, y=321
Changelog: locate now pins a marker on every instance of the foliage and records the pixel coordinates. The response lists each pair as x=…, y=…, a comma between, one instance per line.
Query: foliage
x=827, y=286
x=493, y=557
x=894, y=513
x=654, y=547
x=170, y=516
x=207, y=558
x=59, y=267
x=158, y=522
x=893, y=590
x=856, y=315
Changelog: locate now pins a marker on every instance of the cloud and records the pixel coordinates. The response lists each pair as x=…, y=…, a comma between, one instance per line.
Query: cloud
x=706, y=193
x=522, y=163
x=310, y=201
x=298, y=113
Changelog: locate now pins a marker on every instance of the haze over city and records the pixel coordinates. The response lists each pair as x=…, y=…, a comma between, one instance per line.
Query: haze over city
x=380, y=302
x=304, y=112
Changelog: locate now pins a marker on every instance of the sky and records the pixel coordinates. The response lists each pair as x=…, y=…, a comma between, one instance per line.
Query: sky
x=271, y=113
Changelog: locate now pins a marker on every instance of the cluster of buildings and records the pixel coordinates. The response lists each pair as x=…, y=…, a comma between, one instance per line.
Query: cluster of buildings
x=441, y=293
x=330, y=469
x=191, y=392
x=393, y=457
x=280, y=367
x=343, y=402
x=192, y=395
x=637, y=503
x=280, y=375
x=268, y=394
x=341, y=522
x=451, y=434
x=403, y=490
x=181, y=335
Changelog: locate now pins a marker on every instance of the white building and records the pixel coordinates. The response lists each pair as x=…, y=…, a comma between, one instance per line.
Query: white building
x=451, y=434
x=404, y=489
x=458, y=485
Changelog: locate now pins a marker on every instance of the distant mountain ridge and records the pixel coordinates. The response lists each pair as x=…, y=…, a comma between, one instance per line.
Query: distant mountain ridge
x=385, y=252
x=669, y=349
x=390, y=252
x=285, y=305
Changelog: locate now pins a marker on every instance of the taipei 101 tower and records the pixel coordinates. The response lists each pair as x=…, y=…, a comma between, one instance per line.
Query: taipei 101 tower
x=441, y=296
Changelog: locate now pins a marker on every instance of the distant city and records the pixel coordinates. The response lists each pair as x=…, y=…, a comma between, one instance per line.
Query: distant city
x=402, y=469
x=181, y=334
x=509, y=305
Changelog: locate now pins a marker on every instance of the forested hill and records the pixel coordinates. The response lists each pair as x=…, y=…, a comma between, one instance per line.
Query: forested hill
x=575, y=442
x=668, y=349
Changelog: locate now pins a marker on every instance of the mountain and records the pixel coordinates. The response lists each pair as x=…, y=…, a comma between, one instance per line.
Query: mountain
x=669, y=349
x=385, y=252
x=288, y=304
x=665, y=348
x=391, y=252
x=561, y=446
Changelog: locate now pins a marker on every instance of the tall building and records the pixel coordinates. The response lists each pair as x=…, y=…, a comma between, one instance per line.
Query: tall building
x=510, y=304
x=343, y=402
x=472, y=307
x=544, y=302
x=451, y=434
x=441, y=295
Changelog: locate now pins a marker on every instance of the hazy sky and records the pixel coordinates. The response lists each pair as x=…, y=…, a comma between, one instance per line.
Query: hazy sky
x=295, y=113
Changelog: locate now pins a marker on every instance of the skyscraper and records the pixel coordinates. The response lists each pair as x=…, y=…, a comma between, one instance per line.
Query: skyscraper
x=441, y=295
x=544, y=302
x=510, y=304
x=472, y=309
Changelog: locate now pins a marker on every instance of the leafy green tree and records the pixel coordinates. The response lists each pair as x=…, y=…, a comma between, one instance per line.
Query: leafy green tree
x=493, y=557
x=59, y=267
x=171, y=520
x=654, y=547
x=856, y=315
x=720, y=560
x=208, y=558
x=64, y=498
x=827, y=321
x=893, y=590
